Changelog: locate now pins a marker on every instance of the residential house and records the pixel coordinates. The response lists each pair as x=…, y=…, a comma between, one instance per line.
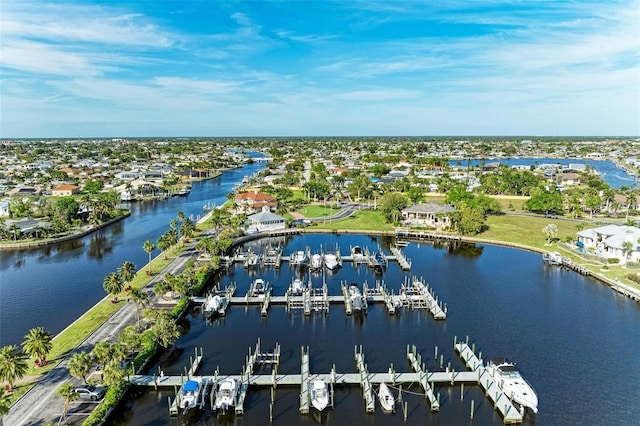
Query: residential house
x=254, y=201
x=65, y=190
x=265, y=221
x=430, y=215
x=610, y=241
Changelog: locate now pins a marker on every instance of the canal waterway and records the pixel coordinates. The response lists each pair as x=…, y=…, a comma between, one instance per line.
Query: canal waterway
x=615, y=176
x=574, y=339
x=52, y=286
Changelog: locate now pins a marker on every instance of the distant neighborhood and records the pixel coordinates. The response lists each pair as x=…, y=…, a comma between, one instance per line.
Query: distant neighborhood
x=48, y=187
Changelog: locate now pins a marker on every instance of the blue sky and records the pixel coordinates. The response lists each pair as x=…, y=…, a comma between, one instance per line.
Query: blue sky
x=319, y=68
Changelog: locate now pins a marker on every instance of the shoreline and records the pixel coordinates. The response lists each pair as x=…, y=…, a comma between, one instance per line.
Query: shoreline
x=48, y=242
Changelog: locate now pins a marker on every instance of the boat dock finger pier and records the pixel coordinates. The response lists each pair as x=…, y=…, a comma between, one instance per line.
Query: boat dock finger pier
x=413, y=294
x=476, y=374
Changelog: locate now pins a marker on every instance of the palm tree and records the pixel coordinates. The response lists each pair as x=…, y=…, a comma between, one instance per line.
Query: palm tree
x=551, y=230
x=148, y=247
x=13, y=365
x=187, y=228
x=113, y=285
x=80, y=364
x=68, y=394
x=37, y=344
x=102, y=353
x=163, y=244
x=627, y=248
x=113, y=374
x=127, y=272
x=140, y=298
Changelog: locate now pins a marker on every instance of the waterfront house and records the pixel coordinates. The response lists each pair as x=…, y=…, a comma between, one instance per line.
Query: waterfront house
x=430, y=215
x=65, y=190
x=609, y=241
x=255, y=201
x=265, y=221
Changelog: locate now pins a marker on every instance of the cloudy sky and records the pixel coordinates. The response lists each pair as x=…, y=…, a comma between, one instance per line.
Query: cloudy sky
x=319, y=68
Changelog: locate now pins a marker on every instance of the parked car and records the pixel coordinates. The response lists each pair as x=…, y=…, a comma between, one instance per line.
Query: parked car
x=93, y=393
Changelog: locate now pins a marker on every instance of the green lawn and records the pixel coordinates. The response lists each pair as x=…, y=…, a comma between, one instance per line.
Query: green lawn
x=526, y=230
x=317, y=210
x=363, y=220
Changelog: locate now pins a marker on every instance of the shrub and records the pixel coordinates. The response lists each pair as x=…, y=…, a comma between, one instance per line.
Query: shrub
x=633, y=277
x=613, y=260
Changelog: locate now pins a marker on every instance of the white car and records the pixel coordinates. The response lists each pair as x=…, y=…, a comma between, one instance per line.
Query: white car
x=90, y=392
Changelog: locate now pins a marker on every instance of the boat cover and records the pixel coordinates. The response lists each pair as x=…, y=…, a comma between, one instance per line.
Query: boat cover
x=190, y=386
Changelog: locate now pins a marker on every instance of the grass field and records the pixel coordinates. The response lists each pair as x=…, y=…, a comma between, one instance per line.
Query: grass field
x=318, y=211
x=362, y=220
x=526, y=230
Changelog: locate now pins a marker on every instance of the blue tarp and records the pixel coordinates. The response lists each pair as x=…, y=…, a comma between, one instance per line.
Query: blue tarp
x=190, y=386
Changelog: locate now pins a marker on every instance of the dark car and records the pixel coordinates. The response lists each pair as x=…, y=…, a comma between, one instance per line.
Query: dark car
x=90, y=392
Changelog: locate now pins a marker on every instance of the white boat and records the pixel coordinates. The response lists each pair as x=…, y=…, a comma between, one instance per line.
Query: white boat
x=191, y=393
x=553, y=258
x=300, y=258
x=214, y=305
x=226, y=395
x=296, y=287
x=331, y=261
x=259, y=288
x=514, y=386
x=316, y=262
x=126, y=196
x=319, y=395
x=386, y=398
x=356, y=297
x=184, y=191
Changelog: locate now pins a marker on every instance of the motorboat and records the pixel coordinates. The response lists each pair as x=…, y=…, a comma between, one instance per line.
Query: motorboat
x=212, y=304
x=319, y=395
x=357, y=253
x=356, y=297
x=386, y=398
x=259, y=288
x=316, y=262
x=553, y=258
x=300, y=258
x=296, y=288
x=379, y=262
x=331, y=261
x=191, y=393
x=184, y=191
x=514, y=386
x=226, y=395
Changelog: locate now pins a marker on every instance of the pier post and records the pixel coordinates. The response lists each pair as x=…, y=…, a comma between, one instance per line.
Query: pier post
x=441, y=360
x=472, y=404
x=436, y=352
x=406, y=409
x=462, y=391
x=155, y=381
x=455, y=340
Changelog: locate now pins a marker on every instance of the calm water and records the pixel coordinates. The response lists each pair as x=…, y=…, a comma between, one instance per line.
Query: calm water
x=53, y=286
x=575, y=340
x=610, y=173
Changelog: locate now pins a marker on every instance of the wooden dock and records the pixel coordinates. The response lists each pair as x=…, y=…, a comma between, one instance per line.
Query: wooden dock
x=363, y=378
x=414, y=294
x=501, y=402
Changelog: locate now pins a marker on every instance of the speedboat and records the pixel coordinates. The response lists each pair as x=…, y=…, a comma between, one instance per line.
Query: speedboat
x=212, y=305
x=296, y=287
x=184, y=191
x=386, y=398
x=356, y=297
x=331, y=261
x=356, y=253
x=319, y=395
x=259, y=288
x=226, y=396
x=514, y=386
x=316, y=262
x=300, y=258
x=191, y=393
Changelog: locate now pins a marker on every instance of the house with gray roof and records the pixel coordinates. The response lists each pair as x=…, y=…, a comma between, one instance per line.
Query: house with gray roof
x=265, y=221
x=430, y=215
x=609, y=242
